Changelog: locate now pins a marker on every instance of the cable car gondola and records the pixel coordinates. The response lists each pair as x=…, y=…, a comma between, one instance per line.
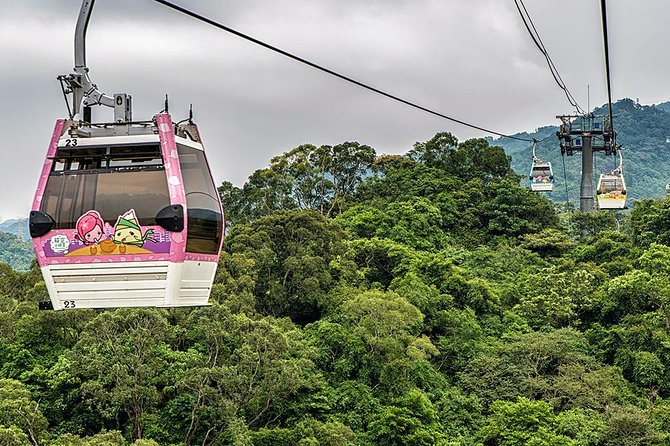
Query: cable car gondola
x=541, y=175
x=611, y=191
x=126, y=214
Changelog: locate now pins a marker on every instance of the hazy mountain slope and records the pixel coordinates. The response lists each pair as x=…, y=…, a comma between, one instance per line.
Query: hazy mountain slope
x=16, y=252
x=17, y=226
x=665, y=106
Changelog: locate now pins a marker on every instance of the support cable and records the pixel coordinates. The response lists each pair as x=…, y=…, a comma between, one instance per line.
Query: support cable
x=535, y=35
x=552, y=67
x=603, y=10
x=329, y=71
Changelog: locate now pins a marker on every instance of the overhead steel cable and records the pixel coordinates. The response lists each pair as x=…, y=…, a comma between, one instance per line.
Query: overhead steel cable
x=565, y=179
x=535, y=35
x=603, y=10
x=552, y=66
x=329, y=71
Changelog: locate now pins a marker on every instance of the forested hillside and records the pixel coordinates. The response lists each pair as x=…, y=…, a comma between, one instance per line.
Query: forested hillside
x=365, y=299
x=16, y=226
x=643, y=132
x=16, y=252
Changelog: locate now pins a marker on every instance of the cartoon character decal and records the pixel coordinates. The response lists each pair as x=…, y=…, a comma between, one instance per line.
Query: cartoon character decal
x=127, y=231
x=90, y=228
x=95, y=237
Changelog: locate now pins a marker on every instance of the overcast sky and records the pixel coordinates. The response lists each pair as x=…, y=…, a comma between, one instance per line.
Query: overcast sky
x=470, y=59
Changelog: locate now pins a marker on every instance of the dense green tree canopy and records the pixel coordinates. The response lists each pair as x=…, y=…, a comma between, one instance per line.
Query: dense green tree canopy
x=363, y=300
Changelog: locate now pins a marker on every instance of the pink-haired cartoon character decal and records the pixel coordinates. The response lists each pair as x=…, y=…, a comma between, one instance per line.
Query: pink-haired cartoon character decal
x=90, y=228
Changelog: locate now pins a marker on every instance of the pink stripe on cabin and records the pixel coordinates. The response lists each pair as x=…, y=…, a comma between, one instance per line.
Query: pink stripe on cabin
x=46, y=168
x=174, y=180
x=41, y=185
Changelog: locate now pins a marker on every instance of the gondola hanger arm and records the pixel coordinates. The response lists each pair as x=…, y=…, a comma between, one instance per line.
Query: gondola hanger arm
x=84, y=91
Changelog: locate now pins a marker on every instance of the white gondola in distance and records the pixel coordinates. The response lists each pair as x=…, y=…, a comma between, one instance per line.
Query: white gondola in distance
x=611, y=191
x=541, y=175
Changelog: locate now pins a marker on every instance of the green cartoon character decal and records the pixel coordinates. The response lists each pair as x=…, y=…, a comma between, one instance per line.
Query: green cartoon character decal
x=127, y=231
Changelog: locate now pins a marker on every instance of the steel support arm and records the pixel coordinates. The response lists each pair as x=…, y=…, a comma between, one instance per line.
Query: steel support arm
x=83, y=90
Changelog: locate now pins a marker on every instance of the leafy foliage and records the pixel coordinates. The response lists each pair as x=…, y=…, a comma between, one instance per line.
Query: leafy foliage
x=417, y=299
x=16, y=252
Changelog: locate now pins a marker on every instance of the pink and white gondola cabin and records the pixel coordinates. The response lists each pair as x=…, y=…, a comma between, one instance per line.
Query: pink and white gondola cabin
x=126, y=215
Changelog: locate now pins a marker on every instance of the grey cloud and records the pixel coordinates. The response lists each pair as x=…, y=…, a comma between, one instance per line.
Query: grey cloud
x=469, y=59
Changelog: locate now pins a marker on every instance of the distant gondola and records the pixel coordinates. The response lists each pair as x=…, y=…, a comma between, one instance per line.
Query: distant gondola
x=611, y=191
x=541, y=175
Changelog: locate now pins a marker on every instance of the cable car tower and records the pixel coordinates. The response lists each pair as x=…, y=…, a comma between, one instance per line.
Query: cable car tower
x=586, y=134
x=126, y=213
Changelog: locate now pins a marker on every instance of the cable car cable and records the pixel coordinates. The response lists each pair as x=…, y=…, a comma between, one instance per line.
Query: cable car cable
x=329, y=71
x=603, y=10
x=550, y=62
x=535, y=35
x=540, y=45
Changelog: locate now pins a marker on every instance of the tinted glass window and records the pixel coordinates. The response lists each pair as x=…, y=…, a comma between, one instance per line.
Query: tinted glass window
x=541, y=171
x=110, y=183
x=205, y=222
x=611, y=185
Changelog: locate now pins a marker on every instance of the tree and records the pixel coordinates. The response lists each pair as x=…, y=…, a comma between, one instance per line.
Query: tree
x=237, y=374
x=307, y=177
x=629, y=426
x=416, y=223
x=120, y=361
x=513, y=211
x=549, y=242
x=296, y=258
x=411, y=421
x=322, y=178
x=559, y=298
x=553, y=366
x=650, y=222
x=586, y=426
x=607, y=246
x=341, y=352
x=266, y=191
x=434, y=152
x=581, y=224
x=523, y=423
x=389, y=326
x=13, y=436
x=474, y=158
x=307, y=432
x=20, y=417
x=632, y=293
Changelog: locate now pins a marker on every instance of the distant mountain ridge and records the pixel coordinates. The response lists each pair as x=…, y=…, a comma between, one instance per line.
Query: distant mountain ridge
x=16, y=226
x=665, y=106
x=643, y=130
x=16, y=248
